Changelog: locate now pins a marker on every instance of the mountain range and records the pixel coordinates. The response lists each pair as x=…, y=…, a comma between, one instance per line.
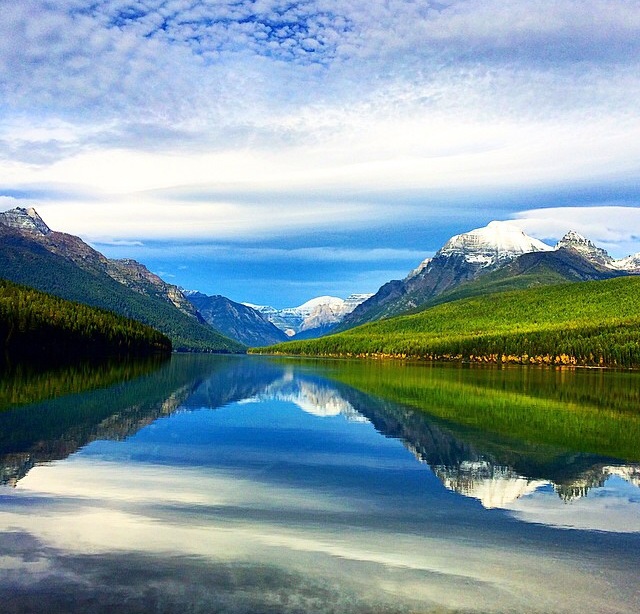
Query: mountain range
x=63, y=265
x=483, y=467
x=486, y=260
x=235, y=320
x=495, y=258
x=311, y=319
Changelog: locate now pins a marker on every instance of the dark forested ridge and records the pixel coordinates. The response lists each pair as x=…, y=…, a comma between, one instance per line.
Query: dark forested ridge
x=36, y=325
x=589, y=323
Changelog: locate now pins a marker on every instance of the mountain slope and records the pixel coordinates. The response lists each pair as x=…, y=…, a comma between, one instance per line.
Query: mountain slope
x=50, y=262
x=583, y=246
x=462, y=258
x=595, y=322
x=127, y=272
x=494, y=258
x=236, y=321
x=529, y=271
x=138, y=278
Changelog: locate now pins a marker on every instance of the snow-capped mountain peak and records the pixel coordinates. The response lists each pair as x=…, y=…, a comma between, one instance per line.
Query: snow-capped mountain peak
x=192, y=293
x=322, y=311
x=494, y=243
x=630, y=264
x=585, y=247
x=308, y=307
x=597, y=255
x=574, y=238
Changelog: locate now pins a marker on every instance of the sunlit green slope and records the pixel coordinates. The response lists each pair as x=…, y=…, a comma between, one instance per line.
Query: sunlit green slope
x=578, y=323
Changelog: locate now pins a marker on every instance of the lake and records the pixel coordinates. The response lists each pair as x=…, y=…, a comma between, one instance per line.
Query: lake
x=247, y=485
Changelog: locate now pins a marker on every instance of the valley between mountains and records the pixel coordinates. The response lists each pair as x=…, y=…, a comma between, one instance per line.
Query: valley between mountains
x=492, y=295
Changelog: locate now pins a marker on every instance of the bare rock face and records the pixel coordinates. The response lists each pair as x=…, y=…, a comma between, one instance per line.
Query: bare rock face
x=139, y=278
x=576, y=242
x=237, y=321
x=26, y=220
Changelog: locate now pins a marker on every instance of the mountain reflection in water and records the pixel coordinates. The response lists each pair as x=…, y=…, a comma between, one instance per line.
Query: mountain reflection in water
x=463, y=467
x=56, y=428
x=244, y=484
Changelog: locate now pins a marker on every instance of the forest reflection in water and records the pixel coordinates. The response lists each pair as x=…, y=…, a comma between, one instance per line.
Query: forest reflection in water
x=225, y=480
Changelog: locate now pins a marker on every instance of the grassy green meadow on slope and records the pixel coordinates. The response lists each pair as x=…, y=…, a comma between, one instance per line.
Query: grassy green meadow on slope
x=590, y=323
x=40, y=326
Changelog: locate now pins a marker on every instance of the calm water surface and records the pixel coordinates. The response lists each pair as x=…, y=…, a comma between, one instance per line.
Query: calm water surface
x=242, y=484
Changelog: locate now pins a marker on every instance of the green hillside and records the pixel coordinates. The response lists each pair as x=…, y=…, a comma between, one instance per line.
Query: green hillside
x=577, y=323
x=39, y=326
x=530, y=270
x=26, y=262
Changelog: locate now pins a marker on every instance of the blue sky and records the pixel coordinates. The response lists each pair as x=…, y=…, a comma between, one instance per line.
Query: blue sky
x=274, y=151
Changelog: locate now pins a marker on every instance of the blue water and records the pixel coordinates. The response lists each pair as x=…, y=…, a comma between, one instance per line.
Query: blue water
x=264, y=487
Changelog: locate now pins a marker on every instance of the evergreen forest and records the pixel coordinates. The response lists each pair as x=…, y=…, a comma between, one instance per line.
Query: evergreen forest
x=42, y=327
x=586, y=323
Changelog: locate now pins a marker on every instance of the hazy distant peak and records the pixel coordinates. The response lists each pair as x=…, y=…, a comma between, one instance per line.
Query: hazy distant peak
x=322, y=311
x=25, y=219
x=191, y=293
x=312, y=304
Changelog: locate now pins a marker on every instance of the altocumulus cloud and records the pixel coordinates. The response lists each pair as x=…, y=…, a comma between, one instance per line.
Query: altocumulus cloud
x=186, y=63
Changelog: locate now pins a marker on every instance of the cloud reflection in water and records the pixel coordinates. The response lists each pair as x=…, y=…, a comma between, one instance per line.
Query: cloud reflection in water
x=261, y=507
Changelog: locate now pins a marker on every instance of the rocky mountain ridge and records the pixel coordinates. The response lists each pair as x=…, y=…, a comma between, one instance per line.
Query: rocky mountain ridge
x=236, y=320
x=127, y=272
x=64, y=265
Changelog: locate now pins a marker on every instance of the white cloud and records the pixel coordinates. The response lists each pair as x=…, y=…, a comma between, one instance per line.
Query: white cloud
x=412, y=561
x=614, y=228
x=236, y=252
x=610, y=509
x=135, y=103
